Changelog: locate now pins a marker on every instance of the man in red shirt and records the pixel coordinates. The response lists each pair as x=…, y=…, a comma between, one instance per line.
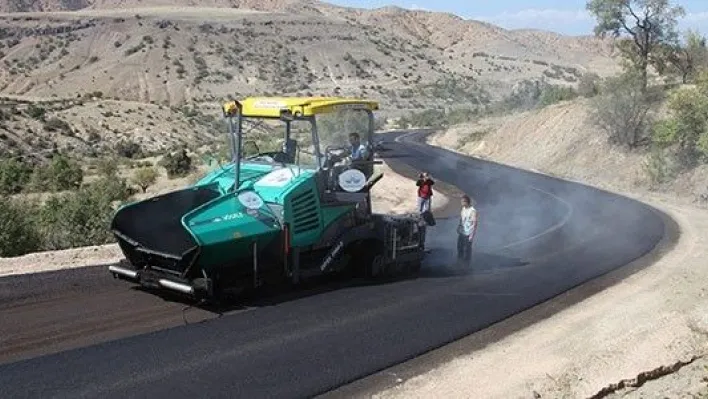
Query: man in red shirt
x=425, y=192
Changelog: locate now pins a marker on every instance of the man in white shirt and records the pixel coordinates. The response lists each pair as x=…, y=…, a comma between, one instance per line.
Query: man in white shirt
x=466, y=229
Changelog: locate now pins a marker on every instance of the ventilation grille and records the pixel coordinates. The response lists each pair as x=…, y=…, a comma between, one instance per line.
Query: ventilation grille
x=305, y=215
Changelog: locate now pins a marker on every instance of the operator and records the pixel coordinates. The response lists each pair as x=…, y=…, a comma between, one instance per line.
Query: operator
x=358, y=150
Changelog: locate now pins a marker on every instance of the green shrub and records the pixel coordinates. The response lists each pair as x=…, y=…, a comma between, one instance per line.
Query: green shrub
x=107, y=167
x=660, y=167
x=178, y=165
x=81, y=217
x=36, y=112
x=57, y=125
x=555, y=94
x=622, y=111
x=589, y=85
x=145, y=177
x=14, y=175
x=18, y=232
x=64, y=174
x=129, y=149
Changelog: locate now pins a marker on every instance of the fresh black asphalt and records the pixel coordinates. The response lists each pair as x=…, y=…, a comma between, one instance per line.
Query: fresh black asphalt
x=538, y=237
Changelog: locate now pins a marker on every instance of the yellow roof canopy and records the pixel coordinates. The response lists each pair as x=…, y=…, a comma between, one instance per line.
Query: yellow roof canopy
x=271, y=107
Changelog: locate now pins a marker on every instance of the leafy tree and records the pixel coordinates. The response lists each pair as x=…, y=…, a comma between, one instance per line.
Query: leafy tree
x=648, y=24
x=686, y=59
x=145, y=177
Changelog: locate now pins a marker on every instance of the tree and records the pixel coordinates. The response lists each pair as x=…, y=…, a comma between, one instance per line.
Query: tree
x=144, y=178
x=622, y=110
x=649, y=24
x=685, y=59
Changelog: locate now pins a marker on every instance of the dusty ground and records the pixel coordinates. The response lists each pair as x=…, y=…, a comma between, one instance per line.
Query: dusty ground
x=607, y=345
x=393, y=194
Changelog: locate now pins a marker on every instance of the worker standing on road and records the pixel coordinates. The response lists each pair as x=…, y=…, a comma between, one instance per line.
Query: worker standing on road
x=466, y=230
x=425, y=192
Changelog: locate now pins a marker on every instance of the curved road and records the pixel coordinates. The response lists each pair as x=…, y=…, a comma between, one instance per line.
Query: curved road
x=538, y=237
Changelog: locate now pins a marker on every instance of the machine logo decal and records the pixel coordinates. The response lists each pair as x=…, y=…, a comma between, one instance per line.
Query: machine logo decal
x=276, y=178
x=352, y=180
x=225, y=218
x=250, y=200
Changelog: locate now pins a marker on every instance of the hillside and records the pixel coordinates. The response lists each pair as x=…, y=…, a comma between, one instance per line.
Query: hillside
x=561, y=140
x=168, y=54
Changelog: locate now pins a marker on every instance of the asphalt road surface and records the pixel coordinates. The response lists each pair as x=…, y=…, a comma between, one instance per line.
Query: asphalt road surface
x=538, y=237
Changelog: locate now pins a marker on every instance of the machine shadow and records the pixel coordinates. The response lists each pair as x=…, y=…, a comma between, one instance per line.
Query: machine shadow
x=440, y=264
x=443, y=263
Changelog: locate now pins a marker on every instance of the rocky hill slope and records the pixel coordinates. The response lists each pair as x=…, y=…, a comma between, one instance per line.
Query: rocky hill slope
x=171, y=54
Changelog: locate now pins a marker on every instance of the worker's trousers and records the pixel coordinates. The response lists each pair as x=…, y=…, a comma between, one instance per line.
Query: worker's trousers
x=464, y=247
x=424, y=204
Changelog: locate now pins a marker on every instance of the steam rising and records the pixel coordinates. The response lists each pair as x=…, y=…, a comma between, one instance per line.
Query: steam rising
x=524, y=217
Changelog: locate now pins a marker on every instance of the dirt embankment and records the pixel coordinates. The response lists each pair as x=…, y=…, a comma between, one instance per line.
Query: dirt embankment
x=629, y=335
x=393, y=194
x=561, y=140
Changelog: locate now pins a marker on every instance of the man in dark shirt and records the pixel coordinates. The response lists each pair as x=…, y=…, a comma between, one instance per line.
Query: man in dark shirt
x=425, y=192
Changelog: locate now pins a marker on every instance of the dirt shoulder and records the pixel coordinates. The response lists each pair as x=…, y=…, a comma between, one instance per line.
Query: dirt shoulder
x=394, y=194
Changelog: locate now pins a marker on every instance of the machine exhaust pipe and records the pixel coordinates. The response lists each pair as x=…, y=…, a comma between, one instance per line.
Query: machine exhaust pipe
x=183, y=288
x=131, y=274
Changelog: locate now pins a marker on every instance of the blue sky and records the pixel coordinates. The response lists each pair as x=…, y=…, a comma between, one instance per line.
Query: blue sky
x=564, y=16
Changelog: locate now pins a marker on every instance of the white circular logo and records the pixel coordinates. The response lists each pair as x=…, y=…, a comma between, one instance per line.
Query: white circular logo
x=352, y=180
x=250, y=200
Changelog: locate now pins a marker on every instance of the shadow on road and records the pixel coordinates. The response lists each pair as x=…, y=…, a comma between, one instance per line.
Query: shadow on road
x=442, y=262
